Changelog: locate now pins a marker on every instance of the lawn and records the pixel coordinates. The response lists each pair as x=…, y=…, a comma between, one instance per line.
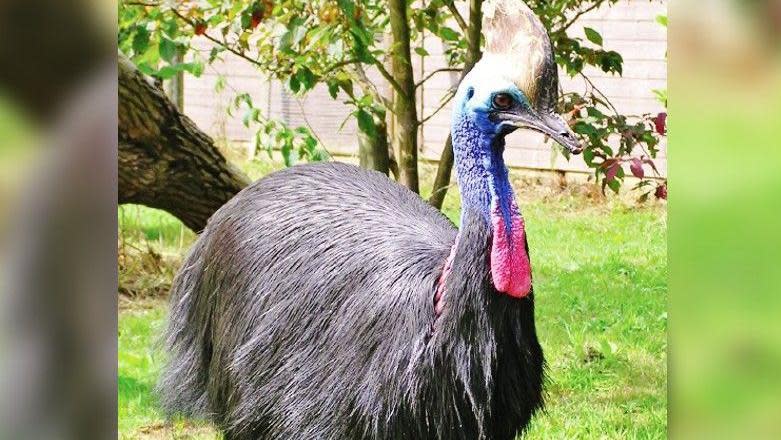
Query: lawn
x=600, y=279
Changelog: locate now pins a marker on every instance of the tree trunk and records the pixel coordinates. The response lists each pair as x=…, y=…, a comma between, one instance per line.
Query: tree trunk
x=165, y=161
x=174, y=87
x=373, y=150
x=473, y=54
x=406, y=127
x=442, y=179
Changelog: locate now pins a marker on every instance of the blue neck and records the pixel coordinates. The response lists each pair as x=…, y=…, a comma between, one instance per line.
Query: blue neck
x=480, y=169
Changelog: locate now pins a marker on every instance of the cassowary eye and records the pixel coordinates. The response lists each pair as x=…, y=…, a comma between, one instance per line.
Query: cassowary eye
x=503, y=101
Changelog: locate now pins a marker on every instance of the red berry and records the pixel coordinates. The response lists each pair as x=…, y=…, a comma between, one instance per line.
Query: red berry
x=200, y=28
x=661, y=191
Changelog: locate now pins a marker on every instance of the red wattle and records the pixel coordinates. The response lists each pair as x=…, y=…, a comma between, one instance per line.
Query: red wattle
x=510, y=265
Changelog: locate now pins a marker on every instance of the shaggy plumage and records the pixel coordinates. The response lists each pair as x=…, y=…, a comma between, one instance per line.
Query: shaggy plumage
x=305, y=311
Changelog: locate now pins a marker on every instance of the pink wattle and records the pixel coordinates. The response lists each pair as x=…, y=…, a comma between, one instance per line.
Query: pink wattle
x=439, y=300
x=510, y=267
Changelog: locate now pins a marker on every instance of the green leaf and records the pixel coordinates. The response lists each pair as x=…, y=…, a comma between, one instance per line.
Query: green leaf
x=294, y=84
x=661, y=96
x=299, y=34
x=317, y=35
x=140, y=40
x=421, y=51
x=294, y=34
x=448, y=34
x=246, y=19
x=588, y=157
x=289, y=155
x=662, y=19
x=333, y=89
x=614, y=185
x=360, y=49
x=593, y=36
x=306, y=78
x=347, y=86
x=611, y=61
x=170, y=28
x=214, y=52
x=250, y=116
x=167, y=72
x=366, y=123
x=583, y=128
x=595, y=113
x=286, y=41
x=167, y=49
x=348, y=6
x=219, y=85
x=243, y=97
x=365, y=101
x=195, y=69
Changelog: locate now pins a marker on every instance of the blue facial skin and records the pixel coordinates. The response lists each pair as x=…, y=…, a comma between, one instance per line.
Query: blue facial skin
x=478, y=147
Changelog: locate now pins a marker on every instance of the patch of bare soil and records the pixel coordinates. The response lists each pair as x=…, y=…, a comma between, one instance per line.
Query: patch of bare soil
x=144, y=272
x=176, y=430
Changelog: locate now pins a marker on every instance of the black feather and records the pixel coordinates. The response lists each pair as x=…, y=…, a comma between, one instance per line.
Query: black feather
x=305, y=311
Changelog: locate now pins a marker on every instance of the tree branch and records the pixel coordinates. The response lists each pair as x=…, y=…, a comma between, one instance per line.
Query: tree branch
x=388, y=77
x=578, y=15
x=221, y=43
x=369, y=87
x=473, y=35
x=430, y=74
x=238, y=53
x=596, y=89
x=445, y=100
x=451, y=5
x=309, y=126
x=154, y=5
x=339, y=65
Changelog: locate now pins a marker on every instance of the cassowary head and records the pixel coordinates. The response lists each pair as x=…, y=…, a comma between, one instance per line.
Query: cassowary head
x=515, y=84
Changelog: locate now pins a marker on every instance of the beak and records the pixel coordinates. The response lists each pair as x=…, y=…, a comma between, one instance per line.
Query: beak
x=549, y=124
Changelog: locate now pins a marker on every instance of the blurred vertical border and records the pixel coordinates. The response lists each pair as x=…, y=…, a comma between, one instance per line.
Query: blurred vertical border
x=58, y=147
x=725, y=219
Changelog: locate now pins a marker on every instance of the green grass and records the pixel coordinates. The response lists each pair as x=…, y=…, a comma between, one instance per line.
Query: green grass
x=139, y=364
x=138, y=367
x=600, y=277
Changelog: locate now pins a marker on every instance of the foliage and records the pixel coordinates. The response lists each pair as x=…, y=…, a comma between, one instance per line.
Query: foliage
x=152, y=33
x=294, y=144
x=635, y=138
x=340, y=43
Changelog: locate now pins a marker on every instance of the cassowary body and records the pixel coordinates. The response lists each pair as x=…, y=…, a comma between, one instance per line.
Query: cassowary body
x=327, y=302
x=285, y=329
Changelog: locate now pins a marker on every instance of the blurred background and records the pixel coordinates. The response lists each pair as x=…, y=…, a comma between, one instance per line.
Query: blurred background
x=257, y=86
x=725, y=70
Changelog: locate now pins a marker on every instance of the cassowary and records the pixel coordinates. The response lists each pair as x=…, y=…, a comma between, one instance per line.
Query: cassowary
x=325, y=301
